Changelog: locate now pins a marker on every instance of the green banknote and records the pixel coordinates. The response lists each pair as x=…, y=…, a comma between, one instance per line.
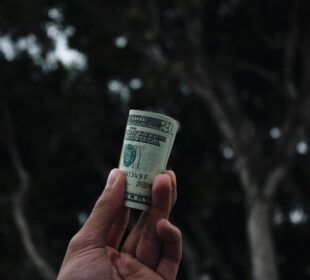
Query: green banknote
x=146, y=149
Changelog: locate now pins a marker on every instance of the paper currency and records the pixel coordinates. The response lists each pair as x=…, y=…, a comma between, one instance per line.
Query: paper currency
x=148, y=141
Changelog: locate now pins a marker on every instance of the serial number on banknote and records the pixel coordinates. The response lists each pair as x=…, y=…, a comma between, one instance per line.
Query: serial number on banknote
x=140, y=176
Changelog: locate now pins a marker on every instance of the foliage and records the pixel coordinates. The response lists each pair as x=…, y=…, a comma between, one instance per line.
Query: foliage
x=68, y=122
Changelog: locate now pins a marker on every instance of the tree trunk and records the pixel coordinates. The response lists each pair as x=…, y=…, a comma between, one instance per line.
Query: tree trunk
x=260, y=240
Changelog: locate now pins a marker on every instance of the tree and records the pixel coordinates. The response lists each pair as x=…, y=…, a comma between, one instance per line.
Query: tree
x=179, y=40
x=260, y=174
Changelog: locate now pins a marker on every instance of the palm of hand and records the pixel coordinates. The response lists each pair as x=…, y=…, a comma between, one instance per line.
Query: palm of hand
x=151, y=251
x=100, y=263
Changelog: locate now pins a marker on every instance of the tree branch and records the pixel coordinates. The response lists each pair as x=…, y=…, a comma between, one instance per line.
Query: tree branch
x=202, y=86
x=289, y=56
x=242, y=124
x=261, y=72
x=219, y=93
x=297, y=120
x=238, y=137
x=18, y=202
x=273, y=180
x=294, y=127
x=290, y=88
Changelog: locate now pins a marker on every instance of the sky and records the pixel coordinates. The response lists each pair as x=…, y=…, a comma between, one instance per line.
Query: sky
x=69, y=57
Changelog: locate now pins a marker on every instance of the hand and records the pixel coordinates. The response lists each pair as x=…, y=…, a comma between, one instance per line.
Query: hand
x=152, y=249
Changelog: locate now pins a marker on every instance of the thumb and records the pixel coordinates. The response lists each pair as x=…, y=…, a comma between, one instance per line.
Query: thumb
x=106, y=209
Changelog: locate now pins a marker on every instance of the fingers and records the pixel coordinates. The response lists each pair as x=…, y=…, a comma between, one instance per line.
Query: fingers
x=173, y=185
x=130, y=245
x=118, y=229
x=108, y=207
x=172, y=249
x=129, y=267
x=149, y=245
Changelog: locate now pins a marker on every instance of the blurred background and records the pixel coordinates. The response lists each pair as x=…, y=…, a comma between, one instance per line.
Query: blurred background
x=235, y=73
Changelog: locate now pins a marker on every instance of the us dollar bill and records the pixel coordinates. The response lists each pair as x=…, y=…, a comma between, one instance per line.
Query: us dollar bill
x=147, y=145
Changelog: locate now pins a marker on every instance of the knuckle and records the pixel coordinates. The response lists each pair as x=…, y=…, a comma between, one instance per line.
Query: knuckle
x=100, y=204
x=75, y=241
x=179, y=234
x=103, y=206
x=80, y=241
x=150, y=236
x=102, y=201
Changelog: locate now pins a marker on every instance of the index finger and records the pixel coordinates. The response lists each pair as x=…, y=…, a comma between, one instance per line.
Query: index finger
x=149, y=245
x=130, y=245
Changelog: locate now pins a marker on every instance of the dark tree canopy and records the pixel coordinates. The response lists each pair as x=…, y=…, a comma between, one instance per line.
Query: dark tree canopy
x=63, y=123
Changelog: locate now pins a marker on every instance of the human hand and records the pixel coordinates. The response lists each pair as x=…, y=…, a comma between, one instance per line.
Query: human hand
x=152, y=249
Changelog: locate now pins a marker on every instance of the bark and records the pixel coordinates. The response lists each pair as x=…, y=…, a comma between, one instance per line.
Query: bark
x=43, y=268
x=259, y=226
x=239, y=130
x=260, y=241
x=262, y=251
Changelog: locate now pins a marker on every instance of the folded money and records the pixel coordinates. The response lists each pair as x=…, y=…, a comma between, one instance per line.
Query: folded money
x=147, y=145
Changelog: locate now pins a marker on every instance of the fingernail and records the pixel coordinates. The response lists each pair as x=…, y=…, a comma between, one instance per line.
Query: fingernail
x=112, y=177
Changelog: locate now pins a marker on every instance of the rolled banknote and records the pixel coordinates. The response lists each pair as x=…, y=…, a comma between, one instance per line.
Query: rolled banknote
x=148, y=141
